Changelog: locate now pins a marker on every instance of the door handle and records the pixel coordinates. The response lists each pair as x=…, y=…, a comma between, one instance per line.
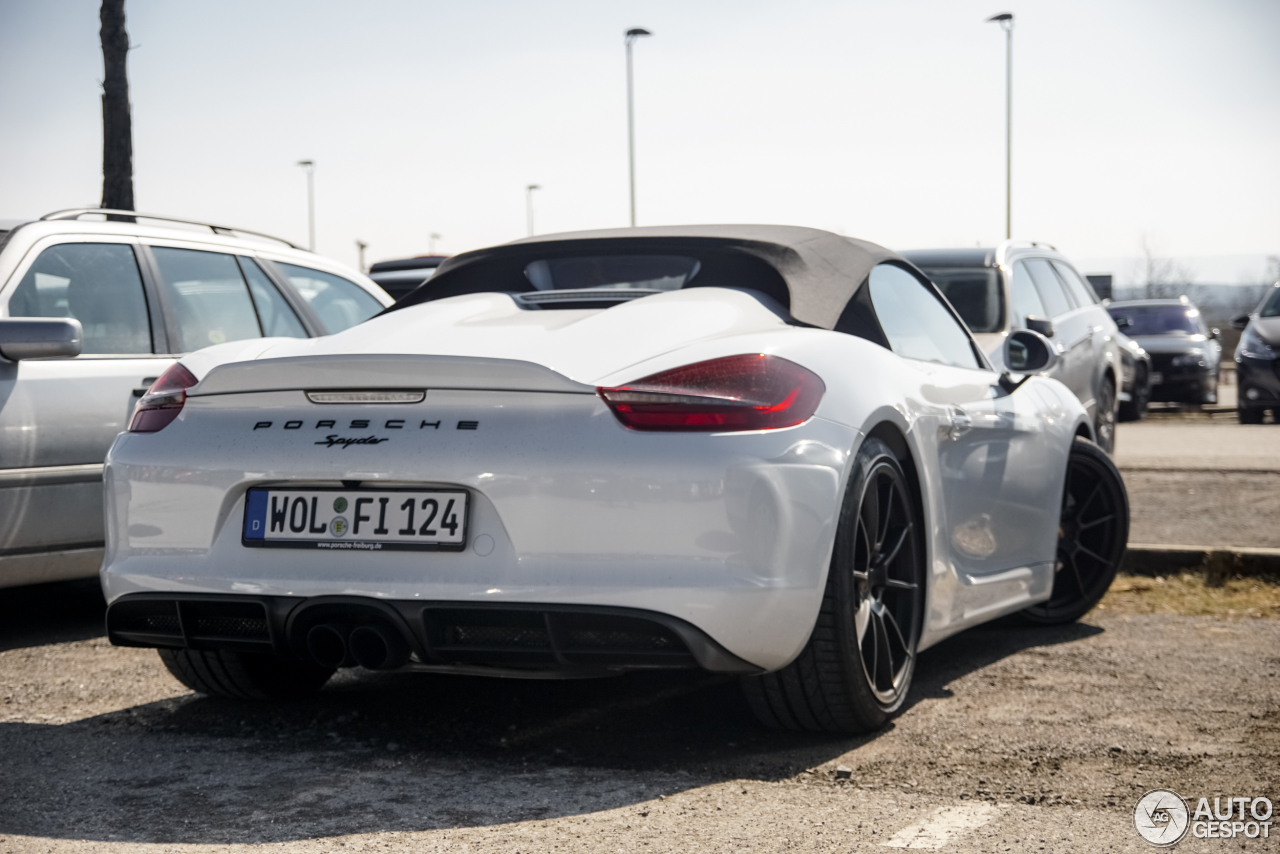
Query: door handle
x=961, y=423
x=1083, y=338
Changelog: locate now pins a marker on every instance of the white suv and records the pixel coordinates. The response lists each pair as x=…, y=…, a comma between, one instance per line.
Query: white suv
x=91, y=312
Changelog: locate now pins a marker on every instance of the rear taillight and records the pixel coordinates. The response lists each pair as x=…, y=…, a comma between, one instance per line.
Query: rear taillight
x=748, y=392
x=163, y=401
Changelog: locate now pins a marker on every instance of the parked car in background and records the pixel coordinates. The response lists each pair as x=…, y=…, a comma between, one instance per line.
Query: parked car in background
x=91, y=313
x=1257, y=368
x=1185, y=354
x=400, y=277
x=1135, y=379
x=1021, y=285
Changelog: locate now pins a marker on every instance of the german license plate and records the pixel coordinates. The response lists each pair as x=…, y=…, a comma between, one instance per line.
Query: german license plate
x=1156, y=378
x=356, y=519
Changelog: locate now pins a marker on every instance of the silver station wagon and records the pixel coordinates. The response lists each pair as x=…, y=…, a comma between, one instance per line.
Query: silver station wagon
x=91, y=312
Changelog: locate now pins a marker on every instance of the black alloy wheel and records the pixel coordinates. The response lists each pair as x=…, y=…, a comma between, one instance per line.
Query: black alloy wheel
x=1093, y=531
x=1104, y=420
x=854, y=673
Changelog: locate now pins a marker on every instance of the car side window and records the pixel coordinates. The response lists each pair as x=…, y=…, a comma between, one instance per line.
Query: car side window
x=97, y=284
x=339, y=303
x=1050, y=287
x=916, y=322
x=208, y=296
x=1080, y=290
x=1026, y=299
x=274, y=314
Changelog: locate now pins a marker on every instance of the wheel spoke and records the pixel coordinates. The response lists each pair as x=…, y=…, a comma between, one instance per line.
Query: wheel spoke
x=897, y=630
x=886, y=654
x=1086, y=526
x=897, y=546
x=886, y=516
x=1091, y=553
x=1075, y=570
x=870, y=517
x=900, y=585
x=1092, y=495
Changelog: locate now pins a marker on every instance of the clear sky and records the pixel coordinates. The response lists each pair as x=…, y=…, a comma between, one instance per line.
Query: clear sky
x=881, y=120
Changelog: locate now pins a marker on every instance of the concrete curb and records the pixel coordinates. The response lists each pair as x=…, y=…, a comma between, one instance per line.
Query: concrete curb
x=1216, y=563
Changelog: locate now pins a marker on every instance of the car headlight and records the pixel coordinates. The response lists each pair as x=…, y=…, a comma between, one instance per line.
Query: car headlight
x=1185, y=360
x=1252, y=346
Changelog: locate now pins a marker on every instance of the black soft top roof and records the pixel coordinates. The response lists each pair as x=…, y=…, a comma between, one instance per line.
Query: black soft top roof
x=814, y=273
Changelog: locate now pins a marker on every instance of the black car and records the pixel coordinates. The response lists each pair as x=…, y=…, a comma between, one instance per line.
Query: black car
x=1257, y=369
x=1185, y=354
x=400, y=277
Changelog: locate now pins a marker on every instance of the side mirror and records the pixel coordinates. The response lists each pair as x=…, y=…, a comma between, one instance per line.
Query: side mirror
x=1240, y=321
x=1027, y=352
x=39, y=337
x=1039, y=326
x=1214, y=334
x=1123, y=322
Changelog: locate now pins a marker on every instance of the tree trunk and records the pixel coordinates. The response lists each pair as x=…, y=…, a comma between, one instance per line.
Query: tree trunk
x=117, y=125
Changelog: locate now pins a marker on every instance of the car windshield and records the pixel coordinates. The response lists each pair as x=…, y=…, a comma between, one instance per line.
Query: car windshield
x=612, y=272
x=974, y=292
x=1157, y=319
x=1271, y=308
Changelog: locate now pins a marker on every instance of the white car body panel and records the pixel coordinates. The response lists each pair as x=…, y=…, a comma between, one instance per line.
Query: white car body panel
x=731, y=532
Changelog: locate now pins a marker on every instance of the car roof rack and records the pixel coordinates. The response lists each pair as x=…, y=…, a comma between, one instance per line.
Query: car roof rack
x=76, y=213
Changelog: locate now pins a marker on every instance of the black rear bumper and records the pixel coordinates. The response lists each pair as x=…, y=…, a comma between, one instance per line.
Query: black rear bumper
x=508, y=639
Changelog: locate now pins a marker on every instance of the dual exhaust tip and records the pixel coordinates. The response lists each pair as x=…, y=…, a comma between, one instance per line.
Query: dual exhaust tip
x=372, y=646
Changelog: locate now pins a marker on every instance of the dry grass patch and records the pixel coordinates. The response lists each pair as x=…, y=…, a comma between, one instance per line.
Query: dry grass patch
x=1187, y=594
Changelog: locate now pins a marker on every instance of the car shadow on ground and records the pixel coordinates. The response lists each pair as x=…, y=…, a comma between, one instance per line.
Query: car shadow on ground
x=416, y=751
x=43, y=614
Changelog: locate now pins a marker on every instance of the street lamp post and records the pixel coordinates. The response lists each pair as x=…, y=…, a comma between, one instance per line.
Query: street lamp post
x=528, y=205
x=431, y=243
x=632, y=35
x=310, y=167
x=360, y=247
x=1005, y=20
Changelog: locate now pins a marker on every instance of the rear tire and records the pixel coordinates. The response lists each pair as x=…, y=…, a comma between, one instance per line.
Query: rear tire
x=1104, y=418
x=1093, y=532
x=244, y=675
x=854, y=673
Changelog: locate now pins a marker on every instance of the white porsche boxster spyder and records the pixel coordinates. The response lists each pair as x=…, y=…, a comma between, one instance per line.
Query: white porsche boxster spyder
x=762, y=450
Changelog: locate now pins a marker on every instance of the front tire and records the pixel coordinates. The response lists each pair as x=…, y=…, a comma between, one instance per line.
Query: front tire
x=854, y=673
x=1093, y=532
x=244, y=675
x=1249, y=415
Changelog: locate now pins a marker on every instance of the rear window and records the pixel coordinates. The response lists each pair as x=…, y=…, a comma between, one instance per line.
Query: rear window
x=612, y=272
x=974, y=292
x=339, y=303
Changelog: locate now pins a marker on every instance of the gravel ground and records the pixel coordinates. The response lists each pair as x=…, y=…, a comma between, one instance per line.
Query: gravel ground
x=1016, y=738
x=1206, y=508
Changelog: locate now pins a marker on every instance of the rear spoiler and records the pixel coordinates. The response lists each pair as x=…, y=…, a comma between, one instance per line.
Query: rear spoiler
x=381, y=372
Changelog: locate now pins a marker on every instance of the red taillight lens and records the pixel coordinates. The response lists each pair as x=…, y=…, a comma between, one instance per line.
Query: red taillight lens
x=748, y=392
x=163, y=401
